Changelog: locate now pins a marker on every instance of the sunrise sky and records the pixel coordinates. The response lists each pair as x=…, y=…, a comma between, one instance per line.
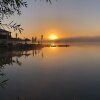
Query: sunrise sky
x=64, y=18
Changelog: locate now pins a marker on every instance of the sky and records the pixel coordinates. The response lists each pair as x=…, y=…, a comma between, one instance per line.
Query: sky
x=64, y=18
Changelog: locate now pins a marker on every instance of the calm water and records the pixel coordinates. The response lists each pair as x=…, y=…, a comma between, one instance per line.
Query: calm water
x=71, y=73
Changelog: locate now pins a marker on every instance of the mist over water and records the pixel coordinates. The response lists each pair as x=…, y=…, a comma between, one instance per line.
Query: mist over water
x=51, y=73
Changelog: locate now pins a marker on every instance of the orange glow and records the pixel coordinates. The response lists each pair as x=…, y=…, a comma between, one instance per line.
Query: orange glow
x=53, y=37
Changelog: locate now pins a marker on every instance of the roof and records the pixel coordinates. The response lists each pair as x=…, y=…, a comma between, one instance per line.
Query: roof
x=2, y=30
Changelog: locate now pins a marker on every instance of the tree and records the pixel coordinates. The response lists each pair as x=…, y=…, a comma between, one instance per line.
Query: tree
x=32, y=40
x=8, y=8
x=35, y=39
x=41, y=39
x=16, y=35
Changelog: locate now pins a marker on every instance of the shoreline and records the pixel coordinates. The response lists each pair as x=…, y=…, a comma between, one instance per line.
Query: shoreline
x=30, y=46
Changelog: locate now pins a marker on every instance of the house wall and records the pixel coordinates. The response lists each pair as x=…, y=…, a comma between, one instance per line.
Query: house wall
x=4, y=37
x=2, y=41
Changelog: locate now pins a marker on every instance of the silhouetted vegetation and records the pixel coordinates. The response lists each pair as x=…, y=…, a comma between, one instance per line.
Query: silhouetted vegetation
x=8, y=8
x=42, y=38
x=10, y=57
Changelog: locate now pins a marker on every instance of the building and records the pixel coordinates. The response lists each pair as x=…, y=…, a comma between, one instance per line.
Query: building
x=5, y=37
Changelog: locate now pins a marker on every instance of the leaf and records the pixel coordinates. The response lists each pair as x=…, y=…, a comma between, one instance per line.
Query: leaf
x=11, y=23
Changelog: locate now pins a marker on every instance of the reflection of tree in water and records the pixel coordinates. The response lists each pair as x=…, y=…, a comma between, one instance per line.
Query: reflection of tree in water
x=35, y=52
x=42, y=55
x=7, y=58
x=3, y=79
x=10, y=58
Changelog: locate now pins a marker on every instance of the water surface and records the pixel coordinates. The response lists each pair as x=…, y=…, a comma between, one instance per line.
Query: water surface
x=53, y=73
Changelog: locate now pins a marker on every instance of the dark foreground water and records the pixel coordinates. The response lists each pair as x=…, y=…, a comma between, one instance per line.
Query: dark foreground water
x=71, y=73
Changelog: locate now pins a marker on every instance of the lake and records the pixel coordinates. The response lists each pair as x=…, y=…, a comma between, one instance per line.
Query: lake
x=51, y=73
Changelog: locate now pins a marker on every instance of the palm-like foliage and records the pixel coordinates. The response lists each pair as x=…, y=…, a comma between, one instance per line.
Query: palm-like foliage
x=12, y=25
x=9, y=7
x=41, y=38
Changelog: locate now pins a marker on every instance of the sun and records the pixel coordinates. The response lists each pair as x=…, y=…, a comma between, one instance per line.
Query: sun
x=53, y=37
